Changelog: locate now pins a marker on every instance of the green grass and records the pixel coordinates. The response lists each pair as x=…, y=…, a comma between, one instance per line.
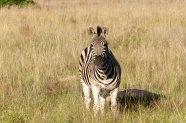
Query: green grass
x=40, y=48
x=19, y=3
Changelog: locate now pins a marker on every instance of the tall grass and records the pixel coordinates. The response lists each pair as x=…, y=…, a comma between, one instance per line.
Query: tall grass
x=40, y=48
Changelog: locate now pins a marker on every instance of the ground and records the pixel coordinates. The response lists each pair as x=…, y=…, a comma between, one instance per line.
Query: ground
x=40, y=48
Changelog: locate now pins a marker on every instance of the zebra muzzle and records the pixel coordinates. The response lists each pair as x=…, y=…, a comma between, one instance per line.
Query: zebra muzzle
x=98, y=61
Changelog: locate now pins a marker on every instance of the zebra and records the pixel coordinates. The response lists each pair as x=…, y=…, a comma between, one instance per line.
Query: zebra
x=99, y=71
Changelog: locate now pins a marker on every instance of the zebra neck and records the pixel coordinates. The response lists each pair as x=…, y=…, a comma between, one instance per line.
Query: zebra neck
x=107, y=71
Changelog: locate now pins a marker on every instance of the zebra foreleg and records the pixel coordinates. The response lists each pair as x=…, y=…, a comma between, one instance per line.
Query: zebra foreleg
x=113, y=96
x=102, y=101
x=86, y=92
x=96, y=91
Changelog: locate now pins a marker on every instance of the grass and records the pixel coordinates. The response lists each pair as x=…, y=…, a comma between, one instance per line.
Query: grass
x=40, y=48
x=20, y=3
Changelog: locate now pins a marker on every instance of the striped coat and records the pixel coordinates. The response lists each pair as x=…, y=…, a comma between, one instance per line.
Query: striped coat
x=99, y=71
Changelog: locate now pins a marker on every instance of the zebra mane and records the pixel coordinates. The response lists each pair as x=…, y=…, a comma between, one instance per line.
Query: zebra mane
x=99, y=30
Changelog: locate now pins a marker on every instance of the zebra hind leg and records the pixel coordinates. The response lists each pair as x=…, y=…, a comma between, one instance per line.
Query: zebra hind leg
x=86, y=92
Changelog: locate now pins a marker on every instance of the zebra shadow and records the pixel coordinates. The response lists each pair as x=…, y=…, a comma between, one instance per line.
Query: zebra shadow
x=132, y=99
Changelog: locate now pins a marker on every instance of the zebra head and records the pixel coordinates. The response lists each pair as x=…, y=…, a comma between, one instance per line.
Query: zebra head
x=99, y=45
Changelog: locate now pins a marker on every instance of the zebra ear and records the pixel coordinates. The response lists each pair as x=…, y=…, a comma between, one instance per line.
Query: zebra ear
x=91, y=31
x=105, y=30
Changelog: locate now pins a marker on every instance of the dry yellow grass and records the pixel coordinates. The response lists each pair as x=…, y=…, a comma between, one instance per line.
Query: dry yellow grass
x=40, y=48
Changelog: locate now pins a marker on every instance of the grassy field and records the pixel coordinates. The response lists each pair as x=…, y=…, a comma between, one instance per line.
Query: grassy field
x=40, y=48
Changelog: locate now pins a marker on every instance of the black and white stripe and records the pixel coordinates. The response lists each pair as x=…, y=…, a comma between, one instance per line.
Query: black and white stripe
x=99, y=70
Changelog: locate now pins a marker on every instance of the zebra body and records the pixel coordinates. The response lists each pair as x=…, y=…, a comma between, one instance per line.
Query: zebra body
x=99, y=71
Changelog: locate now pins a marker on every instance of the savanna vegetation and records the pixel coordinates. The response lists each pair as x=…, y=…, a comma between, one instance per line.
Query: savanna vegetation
x=40, y=48
x=20, y=3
